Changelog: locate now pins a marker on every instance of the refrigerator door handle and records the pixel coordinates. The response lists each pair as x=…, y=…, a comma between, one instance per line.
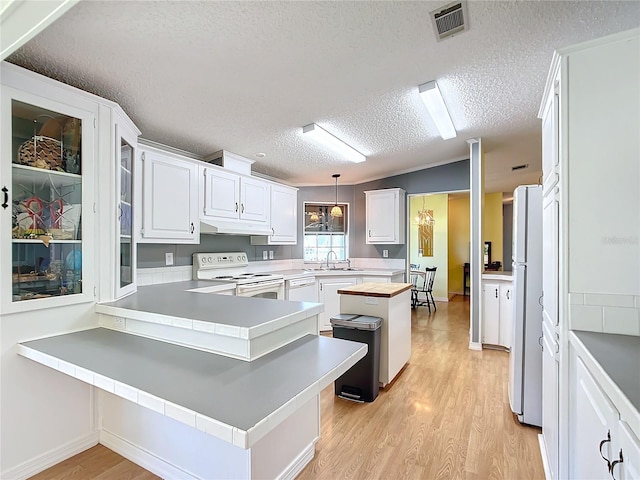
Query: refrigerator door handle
x=540, y=342
x=540, y=300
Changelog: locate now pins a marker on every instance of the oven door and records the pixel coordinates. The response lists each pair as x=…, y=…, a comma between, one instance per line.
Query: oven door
x=272, y=289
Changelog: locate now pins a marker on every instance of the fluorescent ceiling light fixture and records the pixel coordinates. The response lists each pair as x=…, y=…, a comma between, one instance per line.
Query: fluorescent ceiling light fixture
x=332, y=142
x=432, y=98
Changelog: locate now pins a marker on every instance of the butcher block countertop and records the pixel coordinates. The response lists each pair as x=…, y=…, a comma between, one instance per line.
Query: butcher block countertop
x=372, y=289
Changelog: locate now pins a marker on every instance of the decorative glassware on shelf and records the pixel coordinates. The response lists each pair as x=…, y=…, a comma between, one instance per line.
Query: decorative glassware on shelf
x=46, y=203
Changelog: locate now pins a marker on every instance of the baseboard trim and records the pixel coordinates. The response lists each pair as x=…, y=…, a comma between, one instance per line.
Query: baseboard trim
x=299, y=463
x=545, y=463
x=142, y=457
x=52, y=457
x=475, y=346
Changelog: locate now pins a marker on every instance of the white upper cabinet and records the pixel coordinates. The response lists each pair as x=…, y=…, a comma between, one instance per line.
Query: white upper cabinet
x=254, y=200
x=125, y=148
x=47, y=170
x=283, y=217
x=603, y=121
x=169, y=198
x=235, y=197
x=385, y=214
x=221, y=193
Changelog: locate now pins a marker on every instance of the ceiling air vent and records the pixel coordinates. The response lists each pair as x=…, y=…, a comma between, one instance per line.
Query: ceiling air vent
x=519, y=167
x=450, y=19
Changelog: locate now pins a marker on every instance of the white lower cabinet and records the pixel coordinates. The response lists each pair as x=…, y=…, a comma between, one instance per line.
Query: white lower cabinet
x=602, y=445
x=169, y=198
x=506, y=314
x=491, y=313
x=594, y=418
x=328, y=294
x=382, y=278
x=497, y=321
x=550, y=398
x=629, y=468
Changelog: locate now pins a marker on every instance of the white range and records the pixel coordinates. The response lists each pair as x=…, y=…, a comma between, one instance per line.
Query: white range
x=232, y=267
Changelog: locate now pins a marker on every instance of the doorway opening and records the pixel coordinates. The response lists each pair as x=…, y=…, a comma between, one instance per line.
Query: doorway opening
x=439, y=236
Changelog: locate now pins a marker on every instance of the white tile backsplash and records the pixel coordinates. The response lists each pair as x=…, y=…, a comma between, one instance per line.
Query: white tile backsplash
x=623, y=321
x=607, y=313
x=609, y=300
x=153, y=276
x=585, y=317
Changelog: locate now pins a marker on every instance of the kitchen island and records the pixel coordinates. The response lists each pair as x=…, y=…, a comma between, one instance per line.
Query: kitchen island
x=184, y=410
x=392, y=303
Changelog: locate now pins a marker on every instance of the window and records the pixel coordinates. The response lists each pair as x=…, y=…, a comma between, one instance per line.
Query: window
x=324, y=232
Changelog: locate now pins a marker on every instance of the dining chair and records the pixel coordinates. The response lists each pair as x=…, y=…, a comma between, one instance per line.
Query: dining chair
x=427, y=288
x=413, y=272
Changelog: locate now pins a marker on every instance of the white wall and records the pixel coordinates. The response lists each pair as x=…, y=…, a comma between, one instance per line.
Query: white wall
x=44, y=415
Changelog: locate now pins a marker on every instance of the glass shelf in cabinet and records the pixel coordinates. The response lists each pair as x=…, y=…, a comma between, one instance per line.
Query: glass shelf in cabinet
x=37, y=240
x=24, y=173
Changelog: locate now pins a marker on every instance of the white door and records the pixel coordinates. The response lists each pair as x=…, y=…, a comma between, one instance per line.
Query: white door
x=254, y=200
x=516, y=356
x=170, y=199
x=328, y=294
x=506, y=314
x=550, y=265
x=221, y=194
x=593, y=424
x=628, y=443
x=550, y=377
x=381, y=214
x=284, y=214
x=491, y=311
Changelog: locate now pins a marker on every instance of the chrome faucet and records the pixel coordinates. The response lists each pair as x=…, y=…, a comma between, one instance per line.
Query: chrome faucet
x=328, y=255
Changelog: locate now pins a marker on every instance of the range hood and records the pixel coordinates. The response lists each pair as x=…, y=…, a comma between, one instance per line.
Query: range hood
x=213, y=227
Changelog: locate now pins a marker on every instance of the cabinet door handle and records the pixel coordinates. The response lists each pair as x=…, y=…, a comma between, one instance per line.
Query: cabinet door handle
x=369, y=233
x=508, y=293
x=119, y=211
x=613, y=465
x=242, y=205
x=602, y=443
x=236, y=207
x=273, y=232
x=496, y=293
x=192, y=227
x=5, y=203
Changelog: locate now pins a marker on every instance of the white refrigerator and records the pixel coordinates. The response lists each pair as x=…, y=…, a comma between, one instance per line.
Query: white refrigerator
x=525, y=367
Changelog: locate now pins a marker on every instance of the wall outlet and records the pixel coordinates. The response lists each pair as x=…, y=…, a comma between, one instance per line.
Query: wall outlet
x=370, y=301
x=119, y=323
x=270, y=254
x=385, y=253
x=168, y=258
x=265, y=255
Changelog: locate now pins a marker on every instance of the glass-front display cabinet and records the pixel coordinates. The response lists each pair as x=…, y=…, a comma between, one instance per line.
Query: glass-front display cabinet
x=44, y=183
x=126, y=145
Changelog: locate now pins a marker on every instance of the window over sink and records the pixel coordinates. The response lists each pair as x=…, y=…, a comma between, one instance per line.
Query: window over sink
x=324, y=232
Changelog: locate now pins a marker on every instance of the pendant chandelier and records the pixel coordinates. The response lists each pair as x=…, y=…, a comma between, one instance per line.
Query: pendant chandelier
x=424, y=217
x=336, y=211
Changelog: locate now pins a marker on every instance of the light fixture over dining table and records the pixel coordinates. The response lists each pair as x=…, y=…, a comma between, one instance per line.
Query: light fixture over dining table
x=336, y=211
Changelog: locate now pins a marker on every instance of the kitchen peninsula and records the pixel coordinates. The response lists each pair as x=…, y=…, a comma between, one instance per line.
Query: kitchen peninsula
x=192, y=386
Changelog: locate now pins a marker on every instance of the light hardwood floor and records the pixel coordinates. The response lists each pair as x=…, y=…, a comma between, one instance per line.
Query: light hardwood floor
x=446, y=416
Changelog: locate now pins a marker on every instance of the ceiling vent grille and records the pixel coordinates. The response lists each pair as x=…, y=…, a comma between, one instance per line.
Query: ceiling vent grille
x=450, y=19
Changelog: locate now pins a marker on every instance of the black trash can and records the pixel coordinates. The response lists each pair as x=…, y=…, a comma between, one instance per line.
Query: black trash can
x=361, y=382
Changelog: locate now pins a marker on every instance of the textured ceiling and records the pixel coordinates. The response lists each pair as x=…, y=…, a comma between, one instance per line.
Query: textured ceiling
x=246, y=76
